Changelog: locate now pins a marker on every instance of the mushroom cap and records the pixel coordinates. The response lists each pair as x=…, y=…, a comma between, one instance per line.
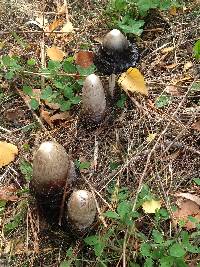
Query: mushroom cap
x=81, y=209
x=115, y=41
x=93, y=99
x=51, y=168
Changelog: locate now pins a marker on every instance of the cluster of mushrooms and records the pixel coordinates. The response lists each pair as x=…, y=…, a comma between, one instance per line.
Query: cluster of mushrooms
x=53, y=171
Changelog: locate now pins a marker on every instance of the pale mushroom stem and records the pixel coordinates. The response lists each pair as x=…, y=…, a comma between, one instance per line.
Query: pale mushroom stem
x=111, y=84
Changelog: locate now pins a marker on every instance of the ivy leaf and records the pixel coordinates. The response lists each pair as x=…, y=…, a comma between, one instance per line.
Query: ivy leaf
x=65, y=105
x=68, y=92
x=27, y=90
x=129, y=25
x=69, y=67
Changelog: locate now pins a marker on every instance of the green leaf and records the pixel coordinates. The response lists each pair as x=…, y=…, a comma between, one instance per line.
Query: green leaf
x=167, y=261
x=157, y=236
x=145, y=250
x=15, y=222
x=27, y=90
x=121, y=102
x=75, y=100
x=46, y=93
x=86, y=71
x=197, y=181
x=176, y=250
x=145, y=5
x=196, y=50
x=133, y=26
x=163, y=101
x=68, y=92
x=84, y=165
x=34, y=104
x=65, y=263
x=59, y=84
x=26, y=169
x=31, y=62
x=65, y=105
x=9, y=75
x=54, y=65
x=2, y=206
x=111, y=214
x=114, y=165
x=69, y=67
x=149, y=263
x=124, y=208
x=196, y=87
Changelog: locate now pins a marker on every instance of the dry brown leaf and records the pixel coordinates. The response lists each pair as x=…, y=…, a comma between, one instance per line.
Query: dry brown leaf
x=52, y=105
x=84, y=58
x=167, y=49
x=7, y=193
x=45, y=115
x=8, y=152
x=61, y=9
x=171, y=66
x=196, y=126
x=60, y=116
x=187, y=65
x=173, y=11
x=67, y=28
x=187, y=208
x=172, y=90
x=54, y=53
x=55, y=24
x=132, y=80
x=189, y=196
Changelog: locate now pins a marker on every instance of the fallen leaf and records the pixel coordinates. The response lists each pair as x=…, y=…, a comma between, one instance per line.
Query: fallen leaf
x=60, y=116
x=151, y=137
x=61, y=9
x=187, y=66
x=8, y=152
x=67, y=28
x=45, y=115
x=173, y=11
x=132, y=80
x=52, y=105
x=41, y=20
x=189, y=196
x=55, y=24
x=172, y=90
x=150, y=206
x=196, y=126
x=7, y=193
x=54, y=53
x=171, y=66
x=167, y=49
x=84, y=58
x=187, y=208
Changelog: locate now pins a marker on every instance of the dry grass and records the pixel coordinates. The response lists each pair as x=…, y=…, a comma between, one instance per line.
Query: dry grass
x=168, y=163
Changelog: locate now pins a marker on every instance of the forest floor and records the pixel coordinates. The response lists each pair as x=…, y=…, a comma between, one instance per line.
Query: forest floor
x=136, y=144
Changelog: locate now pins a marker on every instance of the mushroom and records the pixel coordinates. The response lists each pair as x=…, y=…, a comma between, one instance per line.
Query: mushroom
x=115, y=55
x=81, y=209
x=52, y=168
x=93, y=99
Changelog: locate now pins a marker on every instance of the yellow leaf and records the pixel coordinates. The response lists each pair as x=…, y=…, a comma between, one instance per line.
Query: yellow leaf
x=132, y=80
x=67, y=28
x=151, y=206
x=151, y=137
x=8, y=152
x=54, y=53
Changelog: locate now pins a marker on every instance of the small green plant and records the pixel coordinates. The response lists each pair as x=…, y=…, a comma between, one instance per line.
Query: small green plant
x=129, y=15
x=147, y=246
x=196, y=50
x=63, y=80
x=26, y=169
x=163, y=101
x=81, y=165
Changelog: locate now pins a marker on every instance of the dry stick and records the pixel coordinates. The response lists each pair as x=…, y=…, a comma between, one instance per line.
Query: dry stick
x=126, y=238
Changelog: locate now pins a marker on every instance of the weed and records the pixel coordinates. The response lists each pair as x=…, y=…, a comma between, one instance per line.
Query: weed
x=129, y=16
x=196, y=50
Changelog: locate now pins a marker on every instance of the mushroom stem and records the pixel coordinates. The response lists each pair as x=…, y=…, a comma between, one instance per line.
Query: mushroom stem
x=111, y=84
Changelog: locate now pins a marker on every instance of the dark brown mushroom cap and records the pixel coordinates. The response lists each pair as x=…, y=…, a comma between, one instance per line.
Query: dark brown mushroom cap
x=51, y=169
x=81, y=209
x=93, y=99
x=116, y=57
